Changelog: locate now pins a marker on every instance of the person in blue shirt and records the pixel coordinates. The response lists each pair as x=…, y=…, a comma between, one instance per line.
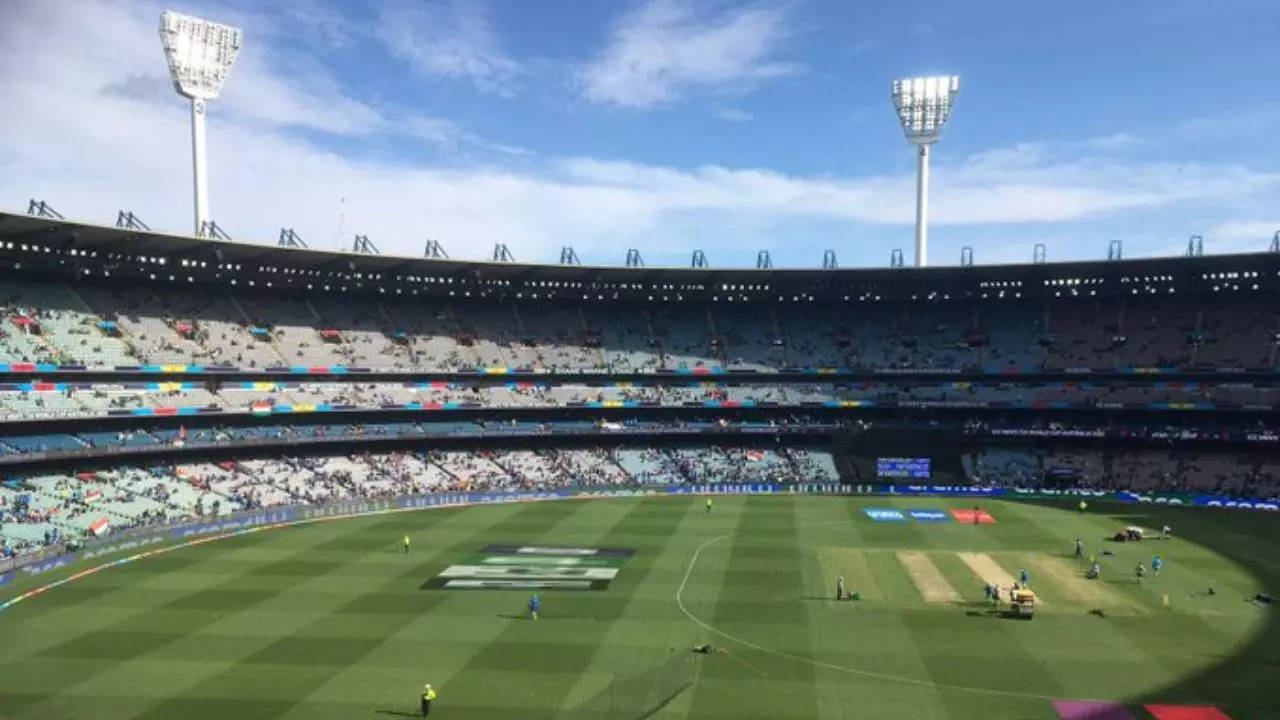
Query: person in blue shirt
x=1155, y=564
x=1025, y=579
x=535, y=604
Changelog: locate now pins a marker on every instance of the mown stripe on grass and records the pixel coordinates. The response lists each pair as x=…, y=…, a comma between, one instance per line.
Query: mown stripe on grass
x=185, y=616
x=767, y=529
x=148, y=629
x=1060, y=578
x=999, y=658
x=892, y=577
x=930, y=583
x=642, y=638
x=959, y=575
x=282, y=671
x=565, y=642
x=849, y=563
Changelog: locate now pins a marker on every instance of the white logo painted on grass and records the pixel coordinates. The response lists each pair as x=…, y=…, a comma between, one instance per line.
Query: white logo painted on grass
x=535, y=550
x=499, y=571
x=519, y=584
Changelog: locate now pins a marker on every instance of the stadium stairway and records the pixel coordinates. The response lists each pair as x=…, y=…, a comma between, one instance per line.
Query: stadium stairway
x=248, y=322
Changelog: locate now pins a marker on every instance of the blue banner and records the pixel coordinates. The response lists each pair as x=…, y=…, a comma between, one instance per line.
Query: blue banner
x=266, y=517
x=48, y=564
x=942, y=490
x=1228, y=502
x=885, y=514
x=725, y=489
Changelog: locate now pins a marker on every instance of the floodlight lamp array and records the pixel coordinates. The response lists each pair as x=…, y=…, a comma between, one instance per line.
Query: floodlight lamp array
x=924, y=104
x=200, y=53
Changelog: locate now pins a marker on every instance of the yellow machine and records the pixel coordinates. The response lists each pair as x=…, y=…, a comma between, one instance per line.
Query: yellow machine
x=1024, y=604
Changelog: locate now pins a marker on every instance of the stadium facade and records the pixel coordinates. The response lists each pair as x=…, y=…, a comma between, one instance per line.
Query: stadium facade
x=148, y=379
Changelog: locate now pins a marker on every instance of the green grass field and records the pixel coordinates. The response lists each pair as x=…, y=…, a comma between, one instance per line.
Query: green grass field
x=330, y=620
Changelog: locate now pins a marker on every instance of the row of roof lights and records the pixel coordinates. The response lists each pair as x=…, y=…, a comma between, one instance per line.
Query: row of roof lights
x=1073, y=286
x=1230, y=275
x=1062, y=282
x=865, y=297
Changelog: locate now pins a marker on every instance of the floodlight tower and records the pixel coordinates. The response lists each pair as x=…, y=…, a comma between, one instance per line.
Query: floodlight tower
x=200, y=55
x=923, y=105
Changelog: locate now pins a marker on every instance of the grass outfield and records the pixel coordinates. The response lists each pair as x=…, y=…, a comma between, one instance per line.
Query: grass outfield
x=330, y=620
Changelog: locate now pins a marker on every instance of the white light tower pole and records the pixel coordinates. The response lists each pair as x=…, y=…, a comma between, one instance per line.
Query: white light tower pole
x=923, y=105
x=200, y=55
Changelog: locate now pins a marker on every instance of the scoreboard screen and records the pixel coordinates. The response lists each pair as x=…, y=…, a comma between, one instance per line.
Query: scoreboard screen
x=914, y=468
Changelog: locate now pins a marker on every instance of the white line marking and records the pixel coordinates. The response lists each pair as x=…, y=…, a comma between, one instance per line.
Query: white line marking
x=832, y=666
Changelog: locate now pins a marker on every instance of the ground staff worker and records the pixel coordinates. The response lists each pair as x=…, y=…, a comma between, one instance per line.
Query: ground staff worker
x=428, y=694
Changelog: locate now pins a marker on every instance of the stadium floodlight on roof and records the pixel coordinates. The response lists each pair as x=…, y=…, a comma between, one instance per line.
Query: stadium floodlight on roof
x=923, y=105
x=200, y=55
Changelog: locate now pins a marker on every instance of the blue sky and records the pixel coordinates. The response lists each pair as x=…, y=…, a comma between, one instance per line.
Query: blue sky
x=663, y=125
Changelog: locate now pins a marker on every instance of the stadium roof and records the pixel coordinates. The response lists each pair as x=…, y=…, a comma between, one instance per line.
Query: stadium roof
x=88, y=243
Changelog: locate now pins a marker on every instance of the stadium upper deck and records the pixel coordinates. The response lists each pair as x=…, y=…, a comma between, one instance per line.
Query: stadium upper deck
x=72, y=296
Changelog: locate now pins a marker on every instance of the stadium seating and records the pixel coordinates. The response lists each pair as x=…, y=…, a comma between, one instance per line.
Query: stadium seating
x=731, y=346
x=116, y=325
x=59, y=506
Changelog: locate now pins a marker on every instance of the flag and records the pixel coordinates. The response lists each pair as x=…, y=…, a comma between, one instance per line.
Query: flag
x=261, y=408
x=100, y=526
x=93, y=496
x=755, y=455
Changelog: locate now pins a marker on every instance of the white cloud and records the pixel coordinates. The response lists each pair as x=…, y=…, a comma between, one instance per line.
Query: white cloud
x=303, y=97
x=1243, y=236
x=91, y=152
x=449, y=39
x=269, y=85
x=318, y=22
x=734, y=115
x=1246, y=230
x=1017, y=185
x=667, y=48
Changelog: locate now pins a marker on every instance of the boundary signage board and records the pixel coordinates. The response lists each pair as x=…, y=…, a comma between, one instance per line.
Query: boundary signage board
x=58, y=556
